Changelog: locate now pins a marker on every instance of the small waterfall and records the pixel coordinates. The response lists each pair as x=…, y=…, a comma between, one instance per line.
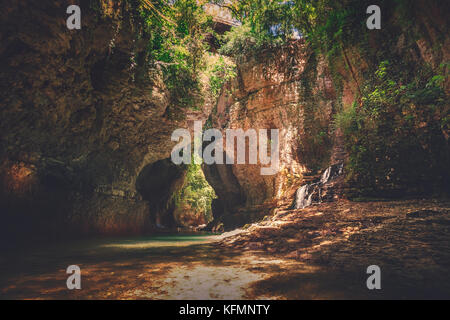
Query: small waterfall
x=325, y=176
x=313, y=192
x=303, y=199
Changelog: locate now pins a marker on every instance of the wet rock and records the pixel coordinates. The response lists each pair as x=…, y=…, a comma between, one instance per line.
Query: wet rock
x=323, y=190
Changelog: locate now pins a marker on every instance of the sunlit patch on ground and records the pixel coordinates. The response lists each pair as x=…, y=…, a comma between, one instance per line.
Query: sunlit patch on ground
x=173, y=267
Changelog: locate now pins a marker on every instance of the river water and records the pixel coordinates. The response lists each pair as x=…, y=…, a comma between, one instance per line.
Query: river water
x=158, y=267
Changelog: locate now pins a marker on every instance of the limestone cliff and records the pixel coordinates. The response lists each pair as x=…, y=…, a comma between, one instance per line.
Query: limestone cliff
x=81, y=116
x=297, y=90
x=274, y=90
x=85, y=125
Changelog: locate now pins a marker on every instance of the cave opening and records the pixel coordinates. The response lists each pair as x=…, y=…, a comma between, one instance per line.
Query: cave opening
x=193, y=201
x=156, y=183
x=179, y=197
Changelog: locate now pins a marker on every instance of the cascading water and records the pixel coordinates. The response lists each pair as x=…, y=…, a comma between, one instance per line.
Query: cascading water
x=325, y=176
x=313, y=192
x=302, y=200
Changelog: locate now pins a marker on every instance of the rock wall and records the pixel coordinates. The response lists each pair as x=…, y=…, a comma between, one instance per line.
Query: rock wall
x=420, y=36
x=81, y=115
x=273, y=91
x=414, y=44
x=297, y=91
x=85, y=133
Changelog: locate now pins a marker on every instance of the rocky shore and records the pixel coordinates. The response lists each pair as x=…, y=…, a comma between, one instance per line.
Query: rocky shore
x=409, y=240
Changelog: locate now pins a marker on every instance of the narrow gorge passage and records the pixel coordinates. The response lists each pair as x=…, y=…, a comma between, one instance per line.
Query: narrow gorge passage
x=229, y=150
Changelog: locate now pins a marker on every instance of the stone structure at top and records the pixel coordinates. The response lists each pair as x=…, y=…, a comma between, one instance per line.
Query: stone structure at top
x=222, y=16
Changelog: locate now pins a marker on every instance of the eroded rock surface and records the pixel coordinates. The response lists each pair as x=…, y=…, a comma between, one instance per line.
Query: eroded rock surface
x=271, y=92
x=81, y=115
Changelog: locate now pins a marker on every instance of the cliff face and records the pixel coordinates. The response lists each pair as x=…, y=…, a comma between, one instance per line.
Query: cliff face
x=85, y=128
x=418, y=37
x=401, y=144
x=275, y=90
x=299, y=92
x=81, y=116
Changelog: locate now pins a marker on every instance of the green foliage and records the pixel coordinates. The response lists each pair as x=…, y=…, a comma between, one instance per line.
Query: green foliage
x=396, y=131
x=196, y=195
x=176, y=45
x=265, y=24
x=239, y=41
x=326, y=24
x=395, y=137
x=334, y=24
x=267, y=18
x=221, y=72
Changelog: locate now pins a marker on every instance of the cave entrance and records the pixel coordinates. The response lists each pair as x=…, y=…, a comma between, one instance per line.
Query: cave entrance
x=178, y=196
x=193, y=201
x=156, y=183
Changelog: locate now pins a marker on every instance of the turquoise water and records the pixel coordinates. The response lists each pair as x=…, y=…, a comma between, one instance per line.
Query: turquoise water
x=127, y=263
x=160, y=241
x=34, y=258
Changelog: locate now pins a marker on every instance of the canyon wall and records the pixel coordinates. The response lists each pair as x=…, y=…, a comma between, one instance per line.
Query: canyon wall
x=398, y=141
x=85, y=125
x=81, y=116
x=288, y=89
x=300, y=92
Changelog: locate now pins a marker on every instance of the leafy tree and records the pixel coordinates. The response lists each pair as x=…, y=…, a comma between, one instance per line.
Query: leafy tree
x=176, y=44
